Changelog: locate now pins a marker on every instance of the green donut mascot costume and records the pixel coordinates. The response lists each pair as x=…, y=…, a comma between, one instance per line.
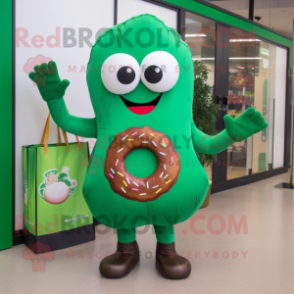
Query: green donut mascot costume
x=140, y=78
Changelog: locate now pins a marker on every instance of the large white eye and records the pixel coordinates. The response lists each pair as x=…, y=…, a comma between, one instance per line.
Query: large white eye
x=120, y=73
x=159, y=71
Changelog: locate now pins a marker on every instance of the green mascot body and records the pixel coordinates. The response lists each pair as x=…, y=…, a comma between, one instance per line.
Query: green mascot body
x=124, y=104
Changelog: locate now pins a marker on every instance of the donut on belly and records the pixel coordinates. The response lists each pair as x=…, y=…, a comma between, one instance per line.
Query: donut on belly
x=148, y=188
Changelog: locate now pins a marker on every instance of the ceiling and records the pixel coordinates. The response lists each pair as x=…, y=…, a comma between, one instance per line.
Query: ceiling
x=278, y=18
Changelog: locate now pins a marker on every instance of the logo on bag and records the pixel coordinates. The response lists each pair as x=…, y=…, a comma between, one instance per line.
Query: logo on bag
x=57, y=187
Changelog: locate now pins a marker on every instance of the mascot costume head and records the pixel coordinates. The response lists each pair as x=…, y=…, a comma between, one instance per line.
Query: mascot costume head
x=140, y=78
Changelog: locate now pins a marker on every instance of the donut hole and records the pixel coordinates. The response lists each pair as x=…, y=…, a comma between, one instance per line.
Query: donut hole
x=141, y=163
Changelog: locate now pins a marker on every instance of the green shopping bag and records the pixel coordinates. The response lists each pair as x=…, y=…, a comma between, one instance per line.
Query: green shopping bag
x=55, y=212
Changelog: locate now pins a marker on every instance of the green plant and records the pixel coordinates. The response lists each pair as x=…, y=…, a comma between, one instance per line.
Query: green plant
x=204, y=110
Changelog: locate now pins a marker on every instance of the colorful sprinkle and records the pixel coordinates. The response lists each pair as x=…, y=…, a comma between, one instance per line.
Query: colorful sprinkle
x=172, y=159
x=152, y=135
x=161, y=174
x=125, y=183
x=164, y=166
x=116, y=162
x=168, y=181
x=120, y=174
x=155, y=186
x=146, y=142
x=128, y=181
x=142, y=135
x=120, y=150
x=154, y=143
x=124, y=137
x=130, y=139
x=162, y=153
x=111, y=175
x=147, y=185
x=142, y=194
x=158, y=190
x=162, y=145
x=123, y=190
x=112, y=170
x=136, y=184
x=135, y=189
x=165, y=176
x=134, y=133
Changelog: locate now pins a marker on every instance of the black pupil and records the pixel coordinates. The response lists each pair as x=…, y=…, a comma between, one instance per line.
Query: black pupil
x=153, y=74
x=126, y=75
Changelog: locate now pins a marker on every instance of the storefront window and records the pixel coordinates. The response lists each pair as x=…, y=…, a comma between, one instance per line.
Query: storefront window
x=270, y=92
x=242, y=69
x=257, y=78
x=200, y=37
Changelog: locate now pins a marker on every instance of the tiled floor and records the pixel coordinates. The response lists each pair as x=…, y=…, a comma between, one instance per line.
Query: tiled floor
x=258, y=261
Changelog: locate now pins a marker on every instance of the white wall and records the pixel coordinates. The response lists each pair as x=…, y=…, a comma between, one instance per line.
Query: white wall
x=43, y=18
x=130, y=8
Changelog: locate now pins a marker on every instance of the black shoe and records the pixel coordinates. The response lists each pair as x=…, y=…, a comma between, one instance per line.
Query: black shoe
x=121, y=262
x=169, y=264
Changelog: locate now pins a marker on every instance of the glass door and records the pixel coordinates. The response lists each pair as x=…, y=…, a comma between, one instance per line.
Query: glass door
x=243, y=67
x=244, y=71
x=200, y=37
x=257, y=78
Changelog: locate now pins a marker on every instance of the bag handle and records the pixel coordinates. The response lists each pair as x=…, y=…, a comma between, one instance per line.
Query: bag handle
x=59, y=136
x=45, y=137
x=79, y=144
x=66, y=139
x=44, y=132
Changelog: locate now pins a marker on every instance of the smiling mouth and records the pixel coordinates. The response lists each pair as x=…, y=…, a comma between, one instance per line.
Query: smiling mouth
x=141, y=108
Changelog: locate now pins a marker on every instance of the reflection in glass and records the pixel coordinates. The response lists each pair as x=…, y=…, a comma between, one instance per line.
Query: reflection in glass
x=270, y=92
x=257, y=78
x=199, y=36
x=242, y=71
